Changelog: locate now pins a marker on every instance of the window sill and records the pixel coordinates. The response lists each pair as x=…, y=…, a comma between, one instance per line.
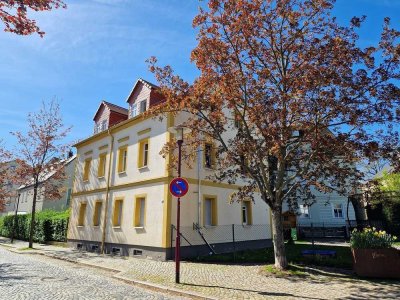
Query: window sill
x=138, y=227
x=116, y=227
x=143, y=168
x=122, y=173
x=210, y=226
x=86, y=181
x=96, y=226
x=101, y=177
x=80, y=226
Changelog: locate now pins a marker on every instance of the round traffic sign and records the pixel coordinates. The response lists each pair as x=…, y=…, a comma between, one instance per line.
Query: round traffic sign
x=179, y=187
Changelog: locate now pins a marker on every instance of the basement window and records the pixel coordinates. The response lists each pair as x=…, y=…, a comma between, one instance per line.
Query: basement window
x=94, y=248
x=137, y=252
x=116, y=251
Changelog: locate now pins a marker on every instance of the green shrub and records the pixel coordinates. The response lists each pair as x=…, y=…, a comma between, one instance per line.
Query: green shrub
x=49, y=226
x=370, y=238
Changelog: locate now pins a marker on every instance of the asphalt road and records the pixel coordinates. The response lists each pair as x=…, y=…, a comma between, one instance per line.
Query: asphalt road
x=24, y=276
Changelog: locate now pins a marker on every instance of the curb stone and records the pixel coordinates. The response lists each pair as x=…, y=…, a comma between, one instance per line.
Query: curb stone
x=142, y=284
x=161, y=288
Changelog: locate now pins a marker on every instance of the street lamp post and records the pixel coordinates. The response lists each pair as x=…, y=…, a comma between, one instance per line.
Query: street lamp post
x=179, y=131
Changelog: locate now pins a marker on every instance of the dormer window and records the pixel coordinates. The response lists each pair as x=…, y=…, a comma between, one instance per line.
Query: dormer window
x=138, y=108
x=100, y=126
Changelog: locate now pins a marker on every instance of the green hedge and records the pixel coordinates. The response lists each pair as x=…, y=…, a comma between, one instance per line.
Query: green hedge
x=49, y=226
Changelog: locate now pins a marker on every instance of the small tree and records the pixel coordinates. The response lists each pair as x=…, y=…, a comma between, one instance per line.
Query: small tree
x=289, y=98
x=38, y=153
x=13, y=13
x=5, y=176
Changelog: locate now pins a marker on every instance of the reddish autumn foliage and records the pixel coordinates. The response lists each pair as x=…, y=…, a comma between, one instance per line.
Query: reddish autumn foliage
x=5, y=176
x=38, y=153
x=289, y=97
x=13, y=13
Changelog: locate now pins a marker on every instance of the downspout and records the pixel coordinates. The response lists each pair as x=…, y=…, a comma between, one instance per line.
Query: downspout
x=198, y=184
x=103, y=238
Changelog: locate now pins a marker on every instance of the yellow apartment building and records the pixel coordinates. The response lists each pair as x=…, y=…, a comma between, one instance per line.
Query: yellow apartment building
x=121, y=202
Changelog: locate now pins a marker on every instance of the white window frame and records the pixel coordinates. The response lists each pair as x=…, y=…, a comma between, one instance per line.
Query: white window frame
x=303, y=209
x=145, y=154
x=336, y=208
x=245, y=214
x=124, y=159
x=137, y=108
x=103, y=125
x=142, y=202
x=142, y=108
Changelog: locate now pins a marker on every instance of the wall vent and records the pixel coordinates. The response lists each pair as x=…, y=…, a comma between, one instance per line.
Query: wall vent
x=137, y=252
x=116, y=251
x=94, y=248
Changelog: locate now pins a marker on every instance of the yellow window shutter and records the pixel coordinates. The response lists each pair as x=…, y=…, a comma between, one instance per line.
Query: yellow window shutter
x=122, y=159
x=97, y=213
x=143, y=155
x=82, y=212
x=117, y=214
x=140, y=208
x=86, y=169
x=102, y=165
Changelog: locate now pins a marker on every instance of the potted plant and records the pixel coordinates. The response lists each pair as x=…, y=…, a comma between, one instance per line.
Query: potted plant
x=373, y=254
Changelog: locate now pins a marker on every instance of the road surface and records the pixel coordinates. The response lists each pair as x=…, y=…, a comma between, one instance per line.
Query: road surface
x=24, y=276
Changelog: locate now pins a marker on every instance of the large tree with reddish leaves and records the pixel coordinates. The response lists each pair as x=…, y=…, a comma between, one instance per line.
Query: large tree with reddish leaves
x=38, y=155
x=5, y=176
x=289, y=97
x=14, y=14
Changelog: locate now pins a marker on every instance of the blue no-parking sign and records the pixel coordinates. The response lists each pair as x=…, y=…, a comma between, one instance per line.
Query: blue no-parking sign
x=179, y=187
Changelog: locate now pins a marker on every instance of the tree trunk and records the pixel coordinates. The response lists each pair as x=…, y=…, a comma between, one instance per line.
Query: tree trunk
x=279, y=241
x=32, y=228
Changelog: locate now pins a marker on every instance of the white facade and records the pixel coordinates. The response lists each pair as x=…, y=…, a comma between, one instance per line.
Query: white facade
x=42, y=202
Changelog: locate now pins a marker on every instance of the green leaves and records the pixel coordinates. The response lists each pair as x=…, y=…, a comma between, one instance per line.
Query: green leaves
x=49, y=226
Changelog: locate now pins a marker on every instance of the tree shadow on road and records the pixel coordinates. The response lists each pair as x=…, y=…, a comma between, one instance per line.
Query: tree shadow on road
x=8, y=273
x=272, y=294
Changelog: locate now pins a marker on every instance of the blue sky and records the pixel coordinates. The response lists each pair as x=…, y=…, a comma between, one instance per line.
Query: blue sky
x=96, y=49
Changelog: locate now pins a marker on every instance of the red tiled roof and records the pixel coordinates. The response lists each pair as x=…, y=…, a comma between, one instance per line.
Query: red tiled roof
x=112, y=107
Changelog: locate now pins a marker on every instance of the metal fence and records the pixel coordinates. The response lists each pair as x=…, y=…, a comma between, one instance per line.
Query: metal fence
x=322, y=230
x=200, y=240
x=334, y=230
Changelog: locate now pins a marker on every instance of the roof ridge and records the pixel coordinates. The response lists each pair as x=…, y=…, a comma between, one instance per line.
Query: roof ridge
x=112, y=104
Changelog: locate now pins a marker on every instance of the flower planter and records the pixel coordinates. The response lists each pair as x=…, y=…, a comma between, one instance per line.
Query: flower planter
x=377, y=263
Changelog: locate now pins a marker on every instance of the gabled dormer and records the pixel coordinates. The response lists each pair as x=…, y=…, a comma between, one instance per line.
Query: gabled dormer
x=107, y=115
x=143, y=95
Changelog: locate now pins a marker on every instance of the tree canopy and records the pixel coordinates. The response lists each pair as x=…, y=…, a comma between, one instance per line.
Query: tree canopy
x=14, y=14
x=290, y=99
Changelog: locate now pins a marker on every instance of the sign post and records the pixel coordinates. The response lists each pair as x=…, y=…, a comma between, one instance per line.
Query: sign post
x=178, y=187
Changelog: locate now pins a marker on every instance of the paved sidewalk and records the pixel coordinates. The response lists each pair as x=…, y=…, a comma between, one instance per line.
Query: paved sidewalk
x=219, y=281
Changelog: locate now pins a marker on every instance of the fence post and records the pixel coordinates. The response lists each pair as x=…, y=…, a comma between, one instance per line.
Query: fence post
x=234, y=244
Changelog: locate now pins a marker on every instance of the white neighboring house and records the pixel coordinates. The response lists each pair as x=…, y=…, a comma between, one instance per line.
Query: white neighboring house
x=26, y=192
x=10, y=202
x=326, y=216
x=329, y=210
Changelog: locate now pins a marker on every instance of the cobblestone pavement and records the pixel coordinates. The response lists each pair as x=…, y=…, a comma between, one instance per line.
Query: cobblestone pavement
x=223, y=281
x=39, y=277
